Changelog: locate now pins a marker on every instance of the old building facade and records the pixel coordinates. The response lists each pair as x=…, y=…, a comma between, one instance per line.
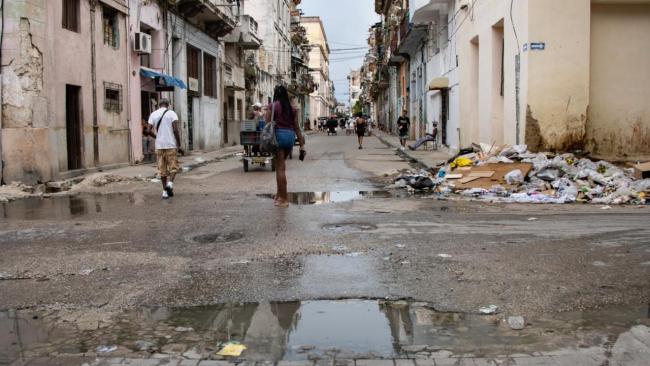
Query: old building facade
x=320, y=101
x=80, y=78
x=579, y=81
x=64, y=82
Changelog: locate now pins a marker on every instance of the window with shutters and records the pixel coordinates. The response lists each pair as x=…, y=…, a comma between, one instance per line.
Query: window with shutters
x=70, y=15
x=193, y=62
x=209, y=75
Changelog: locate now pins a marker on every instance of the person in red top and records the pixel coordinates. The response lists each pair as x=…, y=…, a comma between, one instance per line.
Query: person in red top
x=287, y=128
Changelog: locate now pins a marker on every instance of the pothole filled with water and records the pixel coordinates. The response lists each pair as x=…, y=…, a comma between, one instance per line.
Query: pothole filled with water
x=304, y=330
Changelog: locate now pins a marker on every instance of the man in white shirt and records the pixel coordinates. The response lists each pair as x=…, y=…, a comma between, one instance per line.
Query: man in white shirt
x=165, y=125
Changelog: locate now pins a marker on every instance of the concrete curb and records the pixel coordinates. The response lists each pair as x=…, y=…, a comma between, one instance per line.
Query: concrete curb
x=406, y=154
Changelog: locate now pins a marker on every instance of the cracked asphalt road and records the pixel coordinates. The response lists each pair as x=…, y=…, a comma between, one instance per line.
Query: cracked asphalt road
x=132, y=249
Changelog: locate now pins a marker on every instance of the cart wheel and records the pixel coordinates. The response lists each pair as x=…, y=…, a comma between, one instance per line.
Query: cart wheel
x=245, y=165
x=273, y=165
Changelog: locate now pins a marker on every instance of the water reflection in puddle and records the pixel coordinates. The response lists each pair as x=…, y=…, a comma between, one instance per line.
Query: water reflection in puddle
x=62, y=207
x=301, y=330
x=319, y=198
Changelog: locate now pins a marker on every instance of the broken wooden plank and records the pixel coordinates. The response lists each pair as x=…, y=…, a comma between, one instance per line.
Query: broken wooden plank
x=453, y=176
x=468, y=179
x=486, y=174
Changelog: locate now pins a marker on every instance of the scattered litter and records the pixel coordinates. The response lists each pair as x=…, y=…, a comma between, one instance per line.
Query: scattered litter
x=232, y=349
x=400, y=246
x=532, y=219
x=155, y=180
x=606, y=208
x=516, y=322
x=240, y=262
x=186, y=169
x=354, y=254
x=145, y=346
x=184, y=329
x=488, y=310
x=105, y=349
x=339, y=248
x=405, y=262
x=599, y=264
x=444, y=255
x=514, y=174
x=86, y=272
x=199, y=160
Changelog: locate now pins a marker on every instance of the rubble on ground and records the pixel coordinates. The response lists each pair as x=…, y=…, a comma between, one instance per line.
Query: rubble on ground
x=514, y=174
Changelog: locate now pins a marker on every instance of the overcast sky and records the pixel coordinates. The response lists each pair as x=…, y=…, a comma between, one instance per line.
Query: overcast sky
x=346, y=25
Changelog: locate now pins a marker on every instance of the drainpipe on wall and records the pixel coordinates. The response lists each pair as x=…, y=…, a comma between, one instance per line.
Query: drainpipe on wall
x=93, y=65
x=2, y=28
x=517, y=94
x=128, y=83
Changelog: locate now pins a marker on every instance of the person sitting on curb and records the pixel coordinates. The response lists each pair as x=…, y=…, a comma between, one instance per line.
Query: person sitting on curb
x=427, y=137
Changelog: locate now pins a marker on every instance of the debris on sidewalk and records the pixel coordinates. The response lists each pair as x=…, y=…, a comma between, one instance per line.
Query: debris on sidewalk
x=514, y=174
x=488, y=310
x=105, y=349
x=516, y=322
x=232, y=349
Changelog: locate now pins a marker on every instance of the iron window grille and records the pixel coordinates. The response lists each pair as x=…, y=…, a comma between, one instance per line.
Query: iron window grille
x=112, y=97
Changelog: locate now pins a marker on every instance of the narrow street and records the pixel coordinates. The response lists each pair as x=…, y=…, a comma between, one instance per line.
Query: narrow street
x=315, y=280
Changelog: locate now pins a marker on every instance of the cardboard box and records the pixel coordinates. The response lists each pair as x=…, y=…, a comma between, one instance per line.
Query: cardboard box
x=642, y=170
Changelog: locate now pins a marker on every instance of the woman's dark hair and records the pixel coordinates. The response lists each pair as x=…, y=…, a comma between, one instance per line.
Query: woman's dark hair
x=359, y=115
x=281, y=95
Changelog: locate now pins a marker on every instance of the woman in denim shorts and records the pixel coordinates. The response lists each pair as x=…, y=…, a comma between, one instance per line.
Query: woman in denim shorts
x=287, y=128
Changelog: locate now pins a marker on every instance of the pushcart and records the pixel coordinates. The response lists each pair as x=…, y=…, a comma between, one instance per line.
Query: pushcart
x=250, y=138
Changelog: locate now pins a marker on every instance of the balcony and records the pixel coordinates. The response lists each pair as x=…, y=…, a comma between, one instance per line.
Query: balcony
x=233, y=77
x=412, y=39
x=426, y=11
x=216, y=18
x=245, y=35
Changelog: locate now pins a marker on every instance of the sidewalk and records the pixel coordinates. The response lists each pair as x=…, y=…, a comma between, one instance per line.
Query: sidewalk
x=430, y=159
x=187, y=162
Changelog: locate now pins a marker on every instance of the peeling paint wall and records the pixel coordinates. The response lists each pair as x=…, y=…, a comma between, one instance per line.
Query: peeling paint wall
x=41, y=58
x=25, y=137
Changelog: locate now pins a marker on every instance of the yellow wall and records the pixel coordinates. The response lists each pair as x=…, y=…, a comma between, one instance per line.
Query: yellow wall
x=619, y=112
x=588, y=89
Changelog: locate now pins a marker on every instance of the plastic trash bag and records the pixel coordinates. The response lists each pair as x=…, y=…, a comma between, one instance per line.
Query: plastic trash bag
x=514, y=177
x=548, y=174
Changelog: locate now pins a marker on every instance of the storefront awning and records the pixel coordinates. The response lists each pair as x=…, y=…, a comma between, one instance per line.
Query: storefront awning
x=439, y=83
x=168, y=80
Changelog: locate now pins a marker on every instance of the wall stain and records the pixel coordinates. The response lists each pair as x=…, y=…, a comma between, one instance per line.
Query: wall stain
x=571, y=137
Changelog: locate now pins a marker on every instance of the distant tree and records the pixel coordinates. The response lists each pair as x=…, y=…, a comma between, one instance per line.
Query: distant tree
x=357, y=108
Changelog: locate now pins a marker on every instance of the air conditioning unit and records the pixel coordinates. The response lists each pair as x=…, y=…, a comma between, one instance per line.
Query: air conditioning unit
x=193, y=84
x=142, y=43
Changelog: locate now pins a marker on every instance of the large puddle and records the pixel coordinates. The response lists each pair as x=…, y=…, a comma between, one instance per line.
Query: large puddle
x=68, y=207
x=319, y=198
x=306, y=330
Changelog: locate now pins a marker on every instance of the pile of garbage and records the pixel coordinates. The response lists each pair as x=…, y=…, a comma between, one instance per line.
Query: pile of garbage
x=514, y=174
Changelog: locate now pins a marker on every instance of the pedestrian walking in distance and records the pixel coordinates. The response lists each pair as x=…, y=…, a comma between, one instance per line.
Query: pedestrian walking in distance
x=361, y=126
x=403, y=124
x=287, y=128
x=165, y=124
